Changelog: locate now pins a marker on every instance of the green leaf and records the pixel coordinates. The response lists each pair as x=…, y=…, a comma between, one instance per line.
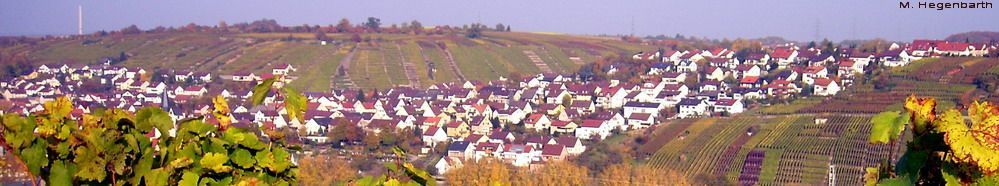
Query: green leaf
x=887, y=126
x=897, y=181
x=295, y=104
x=987, y=180
x=92, y=166
x=199, y=128
x=950, y=175
x=252, y=142
x=261, y=90
x=157, y=177
x=149, y=117
x=215, y=162
x=243, y=158
x=189, y=179
x=34, y=157
x=910, y=163
x=61, y=174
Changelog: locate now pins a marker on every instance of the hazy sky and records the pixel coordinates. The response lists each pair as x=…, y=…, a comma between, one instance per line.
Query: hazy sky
x=792, y=19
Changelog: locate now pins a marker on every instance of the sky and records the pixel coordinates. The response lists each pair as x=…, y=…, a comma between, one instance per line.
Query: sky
x=801, y=20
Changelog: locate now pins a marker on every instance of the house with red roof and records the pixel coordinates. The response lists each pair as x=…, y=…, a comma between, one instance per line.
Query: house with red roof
x=593, y=128
x=728, y=106
x=825, y=87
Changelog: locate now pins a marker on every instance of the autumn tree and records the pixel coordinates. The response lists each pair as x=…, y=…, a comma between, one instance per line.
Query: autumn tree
x=563, y=173
x=626, y=174
x=325, y=170
x=320, y=35
x=416, y=26
x=486, y=171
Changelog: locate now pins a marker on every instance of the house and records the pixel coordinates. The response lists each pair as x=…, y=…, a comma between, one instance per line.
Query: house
x=641, y=120
x=825, y=87
x=572, y=144
x=460, y=150
x=593, y=128
x=729, y=106
x=751, y=82
x=689, y=107
x=244, y=76
x=748, y=70
x=537, y=122
x=641, y=107
x=563, y=127
x=810, y=73
x=713, y=73
x=782, y=88
x=283, y=69
x=434, y=135
x=553, y=152
x=457, y=129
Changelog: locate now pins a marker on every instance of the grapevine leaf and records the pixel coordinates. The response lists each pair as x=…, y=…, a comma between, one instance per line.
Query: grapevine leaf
x=922, y=112
x=420, y=176
x=987, y=180
x=261, y=90
x=221, y=112
x=251, y=141
x=281, y=160
x=90, y=163
x=157, y=177
x=58, y=108
x=896, y=181
x=199, y=128
x=215, y=162
x=950, y=175
x=910, y=163
x=294, y=104
x=61, y=173
x=34, y=157
x=870, y=176
x=887, y=126
x=189, y=179
x=149, y=117
x=242, y=158
x=964, y=145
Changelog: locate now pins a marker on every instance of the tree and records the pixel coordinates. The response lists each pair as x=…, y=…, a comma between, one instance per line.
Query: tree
x=373, y=23
x=943, y=149
x=325, y=170
x=486, y=171
x=416, y=26
x=500, y=27
x=343, y=26
x=627, y=174
x=562, y=173
x=475, y=31
x=507, y=28
x=321, y=36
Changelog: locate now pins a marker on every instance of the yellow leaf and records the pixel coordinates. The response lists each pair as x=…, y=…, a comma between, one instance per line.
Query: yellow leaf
x=221, y=112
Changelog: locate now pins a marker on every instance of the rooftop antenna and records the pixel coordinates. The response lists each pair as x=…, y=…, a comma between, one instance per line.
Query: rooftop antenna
x=79, y=21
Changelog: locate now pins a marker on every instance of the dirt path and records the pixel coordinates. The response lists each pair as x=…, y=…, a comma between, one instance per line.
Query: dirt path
x=537, y=61
x=343, y=70
x=426, y=61
x=454, y=66
x=409, y=68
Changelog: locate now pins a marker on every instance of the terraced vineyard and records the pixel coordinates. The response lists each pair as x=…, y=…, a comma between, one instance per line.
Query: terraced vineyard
x=385, y=61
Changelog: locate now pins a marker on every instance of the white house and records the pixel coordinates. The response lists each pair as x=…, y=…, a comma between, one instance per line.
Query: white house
x=730, y=106
x=826, y=87
x=692, y=107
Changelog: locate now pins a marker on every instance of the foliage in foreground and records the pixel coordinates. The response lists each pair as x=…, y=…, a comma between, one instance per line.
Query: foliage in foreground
x=944, y=149
x=111, y=147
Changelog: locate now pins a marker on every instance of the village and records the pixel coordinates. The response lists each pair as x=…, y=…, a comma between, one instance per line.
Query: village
x=525, y=121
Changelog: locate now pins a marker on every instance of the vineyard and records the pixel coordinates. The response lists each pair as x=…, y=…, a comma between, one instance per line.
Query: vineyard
x=782, y=150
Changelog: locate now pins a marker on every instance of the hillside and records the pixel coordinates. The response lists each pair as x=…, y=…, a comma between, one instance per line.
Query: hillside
x=379, y=61
x=974, y=37
x=796, y=143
